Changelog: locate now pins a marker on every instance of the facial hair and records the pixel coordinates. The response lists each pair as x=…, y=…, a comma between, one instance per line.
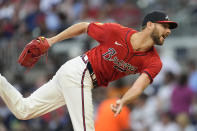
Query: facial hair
x=155, y=37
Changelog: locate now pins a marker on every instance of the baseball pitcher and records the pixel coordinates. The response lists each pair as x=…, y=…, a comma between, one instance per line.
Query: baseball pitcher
x=121, y=51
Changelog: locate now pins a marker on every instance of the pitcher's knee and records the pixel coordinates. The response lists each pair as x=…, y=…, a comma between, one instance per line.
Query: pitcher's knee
x=22, y=111
x=22, y=116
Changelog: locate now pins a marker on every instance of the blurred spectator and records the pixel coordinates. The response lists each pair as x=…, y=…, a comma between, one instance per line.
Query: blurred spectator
x=127, y=14
x=193, y=75
x=7, y=28
x=170, y=64
x=4, y=111
x=182, y=96
x=184, y=122
x=46, y=5
x=166, y=123
x=2, y=127
x=165, y=91
x=193, y=112
x=139, y=114
x=7, y=11
x=105, y=120
x=57, y=119
x=52, y=19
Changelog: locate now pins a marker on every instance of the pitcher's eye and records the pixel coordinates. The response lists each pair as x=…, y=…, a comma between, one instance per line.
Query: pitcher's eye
x=165, y=26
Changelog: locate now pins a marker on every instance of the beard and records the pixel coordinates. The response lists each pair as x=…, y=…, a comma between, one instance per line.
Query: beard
x=156, y=37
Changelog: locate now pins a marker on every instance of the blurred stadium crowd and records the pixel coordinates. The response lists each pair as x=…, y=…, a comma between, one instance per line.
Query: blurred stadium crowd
x=169, y=104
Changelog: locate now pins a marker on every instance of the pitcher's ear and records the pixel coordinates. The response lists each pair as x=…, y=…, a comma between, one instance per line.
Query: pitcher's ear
x=149, y=25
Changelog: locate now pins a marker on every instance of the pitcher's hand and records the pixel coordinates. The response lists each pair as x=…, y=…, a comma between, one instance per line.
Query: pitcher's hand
x=117, y=107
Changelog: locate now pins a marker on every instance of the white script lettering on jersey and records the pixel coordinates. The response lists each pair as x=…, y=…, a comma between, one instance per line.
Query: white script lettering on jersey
x=120, y=65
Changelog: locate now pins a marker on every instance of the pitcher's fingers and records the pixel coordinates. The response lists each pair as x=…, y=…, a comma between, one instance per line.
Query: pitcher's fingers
x=113, y=108
x=117, y=111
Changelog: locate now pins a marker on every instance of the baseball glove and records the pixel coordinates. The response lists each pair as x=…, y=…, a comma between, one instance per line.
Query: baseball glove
x=33, y=51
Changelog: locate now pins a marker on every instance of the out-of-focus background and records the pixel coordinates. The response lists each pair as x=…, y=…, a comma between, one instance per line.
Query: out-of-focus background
x=169, y=104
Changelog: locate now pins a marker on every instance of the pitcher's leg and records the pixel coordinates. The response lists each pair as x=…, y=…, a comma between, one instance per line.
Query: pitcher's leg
x=45, y=99
x=79, y=101
x=80, y=107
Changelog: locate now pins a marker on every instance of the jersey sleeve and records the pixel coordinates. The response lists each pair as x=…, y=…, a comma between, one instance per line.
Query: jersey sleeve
x=153, y=68
x=103, y=31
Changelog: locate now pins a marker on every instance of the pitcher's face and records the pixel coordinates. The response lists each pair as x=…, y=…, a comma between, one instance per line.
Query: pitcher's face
x=159, y=33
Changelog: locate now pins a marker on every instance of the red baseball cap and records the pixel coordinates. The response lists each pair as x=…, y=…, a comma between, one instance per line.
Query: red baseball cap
x=159, y=17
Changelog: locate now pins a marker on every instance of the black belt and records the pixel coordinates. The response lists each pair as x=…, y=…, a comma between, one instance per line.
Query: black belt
x=89, y=67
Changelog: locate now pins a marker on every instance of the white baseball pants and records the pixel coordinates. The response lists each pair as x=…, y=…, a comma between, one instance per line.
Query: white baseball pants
x=71, y=85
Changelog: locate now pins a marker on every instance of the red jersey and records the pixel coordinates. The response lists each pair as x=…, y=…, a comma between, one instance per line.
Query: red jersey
x=114, y=57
